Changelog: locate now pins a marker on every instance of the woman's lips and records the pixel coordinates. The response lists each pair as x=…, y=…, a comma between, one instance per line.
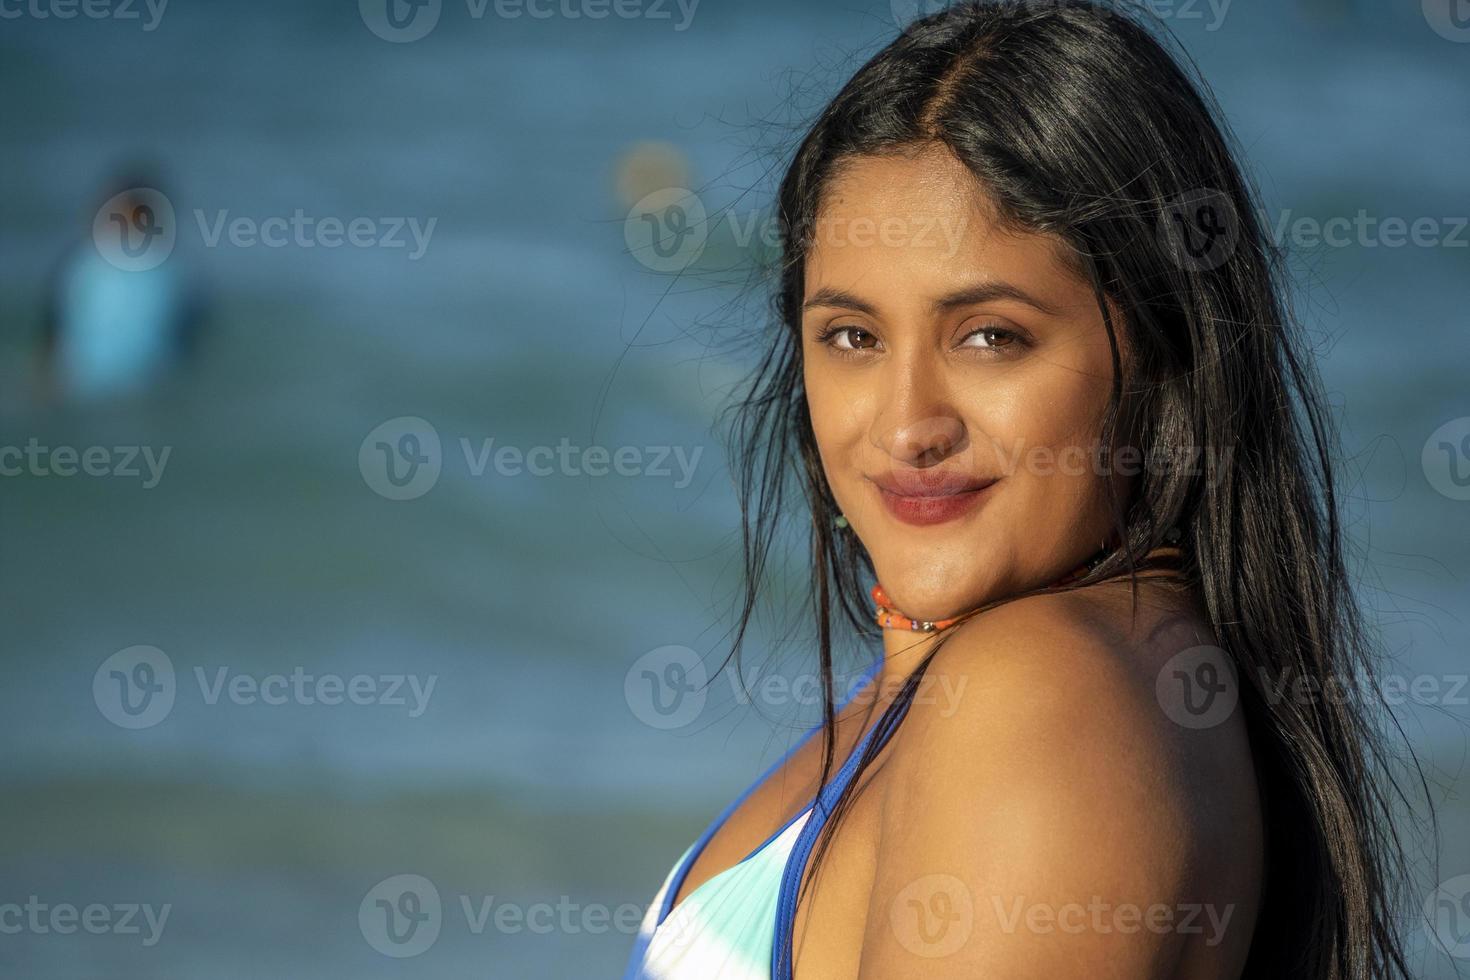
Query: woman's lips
x=933, y=508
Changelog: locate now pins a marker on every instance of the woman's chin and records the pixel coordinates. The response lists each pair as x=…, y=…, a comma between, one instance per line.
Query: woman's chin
x=936, y=585
x=931, y=606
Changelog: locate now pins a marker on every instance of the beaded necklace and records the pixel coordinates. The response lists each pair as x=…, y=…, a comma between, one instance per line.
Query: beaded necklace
x=888, y=616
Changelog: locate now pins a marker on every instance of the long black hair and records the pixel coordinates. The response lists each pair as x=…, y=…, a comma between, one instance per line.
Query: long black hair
x=1087, y=122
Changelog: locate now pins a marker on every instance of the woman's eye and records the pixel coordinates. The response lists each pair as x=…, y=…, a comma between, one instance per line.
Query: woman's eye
x=851, y=338
x=989, y=337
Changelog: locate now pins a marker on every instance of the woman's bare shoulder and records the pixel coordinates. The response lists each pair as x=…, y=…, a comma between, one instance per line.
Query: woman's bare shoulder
x=1087, y=671
x=1057, y=772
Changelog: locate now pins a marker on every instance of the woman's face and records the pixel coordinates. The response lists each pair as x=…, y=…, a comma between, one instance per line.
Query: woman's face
x=957, y=374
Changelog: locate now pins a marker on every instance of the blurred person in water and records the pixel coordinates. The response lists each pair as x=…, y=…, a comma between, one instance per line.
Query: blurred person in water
x=122, y=310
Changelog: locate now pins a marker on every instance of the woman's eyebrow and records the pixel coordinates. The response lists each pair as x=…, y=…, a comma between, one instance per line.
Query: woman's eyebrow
x=839, y=299
x=983, y=292
x=986, y=292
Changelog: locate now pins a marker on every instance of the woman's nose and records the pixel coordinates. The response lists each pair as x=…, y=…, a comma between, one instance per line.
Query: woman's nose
x=918, y=431
x=926, y=440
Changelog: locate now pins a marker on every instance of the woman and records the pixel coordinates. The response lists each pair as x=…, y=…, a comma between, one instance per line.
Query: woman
x=1069, y=439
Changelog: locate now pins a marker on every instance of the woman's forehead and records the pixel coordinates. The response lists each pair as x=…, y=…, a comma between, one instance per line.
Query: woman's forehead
x=922, y=216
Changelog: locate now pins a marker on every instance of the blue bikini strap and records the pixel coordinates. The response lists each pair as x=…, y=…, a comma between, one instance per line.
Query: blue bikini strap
x=781, y=950
x=682, y=871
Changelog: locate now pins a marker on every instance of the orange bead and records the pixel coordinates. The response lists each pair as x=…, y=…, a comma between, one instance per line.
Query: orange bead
x=890, y=618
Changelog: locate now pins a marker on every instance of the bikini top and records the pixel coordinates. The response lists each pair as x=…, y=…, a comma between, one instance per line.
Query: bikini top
x=728, y=927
